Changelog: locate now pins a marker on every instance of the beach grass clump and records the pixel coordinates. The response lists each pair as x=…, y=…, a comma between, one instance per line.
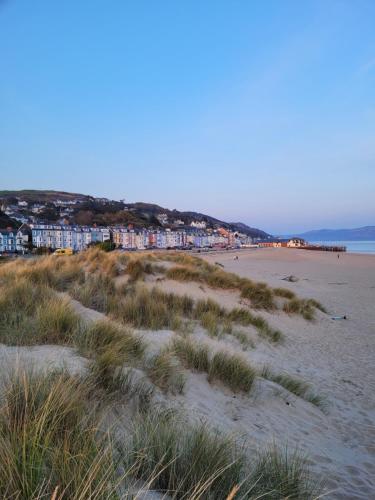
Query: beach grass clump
x=209, y=321
x=243, y=339
x=294, y=385
x=137, y=268
x=204, y=306
x=53, y=272
x=50, y=446
x=22, y=295
x=179, y=273
x=304, y=307
x=205, y=273
x=276, y=473
x=111, y=267
x=110, y=348
x=56, y=322
x=186, y=460
x=259, y=294
x=193, y=355
x=284, y=293
x=165, y=371
x=131, y=385
x=97, y=292
x=227, y=326
x=218, y=278
x=185, y=260
x=102, y=334
x=32, y=314
x=232, y=370
x=317, y=305
x=153, y=309
x=245, y=317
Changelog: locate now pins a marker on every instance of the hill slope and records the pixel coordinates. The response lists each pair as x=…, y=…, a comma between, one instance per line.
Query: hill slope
x=6, y=222
x=89, y=210
x=366, y=233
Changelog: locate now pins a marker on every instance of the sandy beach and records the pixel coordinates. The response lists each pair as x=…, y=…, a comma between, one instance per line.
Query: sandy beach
x=336, y=356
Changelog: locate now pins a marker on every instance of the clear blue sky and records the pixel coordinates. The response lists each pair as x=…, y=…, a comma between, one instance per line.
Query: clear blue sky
x=259, y=111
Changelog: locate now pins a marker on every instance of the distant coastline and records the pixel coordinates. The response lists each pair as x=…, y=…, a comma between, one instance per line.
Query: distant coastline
x=361, y=247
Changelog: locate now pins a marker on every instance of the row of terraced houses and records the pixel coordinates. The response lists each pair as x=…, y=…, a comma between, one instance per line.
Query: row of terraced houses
x=80, y=237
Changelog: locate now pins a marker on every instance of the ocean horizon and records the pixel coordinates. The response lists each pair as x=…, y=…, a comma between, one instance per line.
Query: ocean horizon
x=365, y=247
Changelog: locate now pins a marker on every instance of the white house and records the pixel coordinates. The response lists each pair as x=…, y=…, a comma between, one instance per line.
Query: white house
x=296, y=243
x=198, y=224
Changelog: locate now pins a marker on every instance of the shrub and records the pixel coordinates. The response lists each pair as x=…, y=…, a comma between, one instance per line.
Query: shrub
x=106, y=246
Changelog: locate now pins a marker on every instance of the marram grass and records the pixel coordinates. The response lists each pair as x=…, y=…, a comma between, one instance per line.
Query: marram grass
x=50, y=442
x=295, y=386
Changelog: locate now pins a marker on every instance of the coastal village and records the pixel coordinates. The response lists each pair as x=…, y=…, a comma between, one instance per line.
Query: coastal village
x=36, y=233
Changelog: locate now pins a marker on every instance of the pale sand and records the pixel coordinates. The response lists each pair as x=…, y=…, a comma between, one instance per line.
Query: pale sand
x=336, y=357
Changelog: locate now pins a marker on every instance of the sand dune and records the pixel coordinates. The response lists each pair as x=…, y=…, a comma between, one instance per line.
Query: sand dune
x=335, y=356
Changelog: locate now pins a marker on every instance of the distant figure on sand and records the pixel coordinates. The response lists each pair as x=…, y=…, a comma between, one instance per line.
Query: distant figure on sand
x=338, y=255
x=235, y=257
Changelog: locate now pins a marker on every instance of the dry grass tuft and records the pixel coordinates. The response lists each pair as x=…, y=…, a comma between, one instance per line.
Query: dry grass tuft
x=244, y=317
x=49, y=440
x=277, y=474
x=304, y=307
x=210, y=322
x=260, y=296
x=232, y=370
x=110, y=348
x=33, y=314
x=285, y=293
x=164, y=371
x=192, y=354
x=187, y=461
x=295, y=386
x=97, y=292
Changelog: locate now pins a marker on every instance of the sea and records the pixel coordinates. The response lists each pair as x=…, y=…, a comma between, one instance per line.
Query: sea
x=351, y=246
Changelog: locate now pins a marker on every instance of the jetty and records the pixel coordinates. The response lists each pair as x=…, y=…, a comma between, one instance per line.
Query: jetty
x=325, y=248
